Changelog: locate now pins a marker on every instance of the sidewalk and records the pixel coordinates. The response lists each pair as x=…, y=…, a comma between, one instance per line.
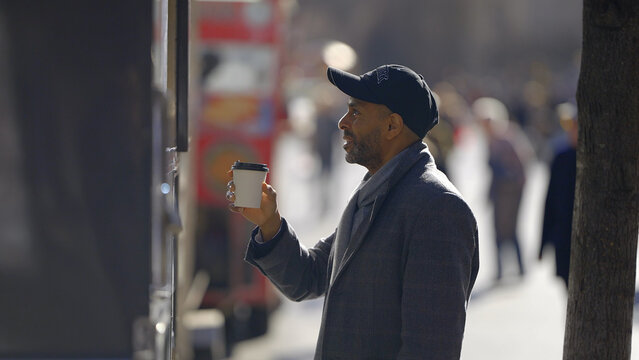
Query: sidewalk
x=521, y=320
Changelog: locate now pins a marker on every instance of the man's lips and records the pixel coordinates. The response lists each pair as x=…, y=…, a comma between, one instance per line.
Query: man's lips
x=348, y=141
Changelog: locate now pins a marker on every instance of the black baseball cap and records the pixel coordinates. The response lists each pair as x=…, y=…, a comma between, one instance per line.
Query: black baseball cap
x=398, y=87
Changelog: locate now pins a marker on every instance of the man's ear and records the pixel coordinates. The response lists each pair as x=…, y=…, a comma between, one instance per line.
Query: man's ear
x=395, y=125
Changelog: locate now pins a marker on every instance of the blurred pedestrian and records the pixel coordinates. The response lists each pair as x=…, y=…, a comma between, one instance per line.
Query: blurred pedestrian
x=324, y=138
x=453, y=114
x=508, y=176
x=398, y=271
x=557, y=224
x=440, y=143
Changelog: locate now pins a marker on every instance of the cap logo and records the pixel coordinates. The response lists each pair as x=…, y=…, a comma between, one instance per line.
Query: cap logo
x=382, y=74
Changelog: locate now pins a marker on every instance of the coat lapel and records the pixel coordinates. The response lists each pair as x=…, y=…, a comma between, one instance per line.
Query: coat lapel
x=342, y=237
x=360, y=233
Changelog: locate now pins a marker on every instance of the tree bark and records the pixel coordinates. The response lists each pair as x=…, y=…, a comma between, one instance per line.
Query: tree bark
x=606, y=210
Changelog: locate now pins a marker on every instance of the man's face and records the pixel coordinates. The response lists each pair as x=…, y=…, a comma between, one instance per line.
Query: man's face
x=362, y=126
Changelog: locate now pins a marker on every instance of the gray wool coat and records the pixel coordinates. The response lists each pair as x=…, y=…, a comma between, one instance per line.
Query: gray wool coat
x=401, y=286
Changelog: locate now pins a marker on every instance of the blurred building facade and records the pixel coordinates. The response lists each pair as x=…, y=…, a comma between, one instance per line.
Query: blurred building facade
x=480, y=37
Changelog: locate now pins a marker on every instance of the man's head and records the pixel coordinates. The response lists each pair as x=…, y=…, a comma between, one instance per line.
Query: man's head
x=389, y=108
x=397, y=87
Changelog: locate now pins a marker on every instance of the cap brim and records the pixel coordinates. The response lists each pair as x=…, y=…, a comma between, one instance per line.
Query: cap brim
x=351, y=85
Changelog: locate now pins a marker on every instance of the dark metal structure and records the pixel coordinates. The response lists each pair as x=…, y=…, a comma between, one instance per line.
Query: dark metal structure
x=88, y=199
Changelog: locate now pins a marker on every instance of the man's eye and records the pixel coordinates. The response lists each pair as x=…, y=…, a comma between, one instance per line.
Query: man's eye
x=355, y=112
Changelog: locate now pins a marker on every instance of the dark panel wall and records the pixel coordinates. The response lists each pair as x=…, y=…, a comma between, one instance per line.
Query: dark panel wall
x=74, y=273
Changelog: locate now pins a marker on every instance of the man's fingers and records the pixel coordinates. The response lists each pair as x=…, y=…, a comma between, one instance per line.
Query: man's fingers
x=268, y=189
x=230, y=196
x=236, y=209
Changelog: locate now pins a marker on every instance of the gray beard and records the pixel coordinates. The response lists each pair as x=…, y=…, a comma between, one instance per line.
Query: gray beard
x=365, y=153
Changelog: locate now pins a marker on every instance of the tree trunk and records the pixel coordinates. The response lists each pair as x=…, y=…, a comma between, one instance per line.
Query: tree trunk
x=606, y=213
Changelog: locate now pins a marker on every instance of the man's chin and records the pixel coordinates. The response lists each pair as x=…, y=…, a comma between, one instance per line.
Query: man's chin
x=350, y=158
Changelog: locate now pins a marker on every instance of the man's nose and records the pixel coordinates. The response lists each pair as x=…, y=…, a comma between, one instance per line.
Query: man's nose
x=344, y=122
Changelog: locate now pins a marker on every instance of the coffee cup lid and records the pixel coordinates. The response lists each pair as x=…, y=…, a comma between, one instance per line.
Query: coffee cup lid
x=239, y=165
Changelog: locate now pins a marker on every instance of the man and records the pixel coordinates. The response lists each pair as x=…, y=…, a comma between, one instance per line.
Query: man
x=398, y=271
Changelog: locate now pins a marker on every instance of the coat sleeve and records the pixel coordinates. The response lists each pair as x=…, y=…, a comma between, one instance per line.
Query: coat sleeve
x=440, y=270
x=299, y=273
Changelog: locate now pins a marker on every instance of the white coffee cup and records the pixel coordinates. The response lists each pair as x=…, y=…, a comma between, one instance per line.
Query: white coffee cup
x=248, y=179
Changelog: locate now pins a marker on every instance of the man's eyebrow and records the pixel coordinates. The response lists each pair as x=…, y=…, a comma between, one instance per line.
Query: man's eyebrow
x=353, y=103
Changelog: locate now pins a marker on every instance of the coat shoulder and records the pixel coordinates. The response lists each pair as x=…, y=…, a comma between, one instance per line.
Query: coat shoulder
x=426, y=182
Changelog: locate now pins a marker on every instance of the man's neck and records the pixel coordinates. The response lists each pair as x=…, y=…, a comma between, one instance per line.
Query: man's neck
x=390, y=155
x=393, y=150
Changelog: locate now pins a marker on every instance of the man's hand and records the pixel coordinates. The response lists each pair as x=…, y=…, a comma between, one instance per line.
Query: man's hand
x=266, y=217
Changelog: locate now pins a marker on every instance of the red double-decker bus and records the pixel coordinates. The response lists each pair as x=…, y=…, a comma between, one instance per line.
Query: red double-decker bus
x=237, y=47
